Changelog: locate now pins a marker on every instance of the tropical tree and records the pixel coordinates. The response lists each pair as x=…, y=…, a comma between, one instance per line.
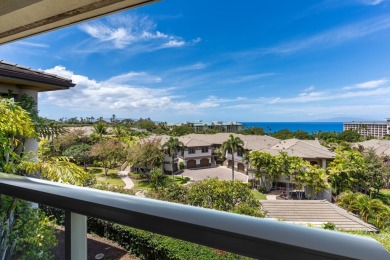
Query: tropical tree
x=119, y=130
x=346, y=169
x=100, y=128
x=368, y=209
x=357, y=171
x=109, y=152
x=68, y=139
x=315, y=180
x=157, y=178
x=233, y=144
x=17, y=218
x=233, y=196
x=146, y=155
x=79, y=152
x=261, y=161
x=173, y=146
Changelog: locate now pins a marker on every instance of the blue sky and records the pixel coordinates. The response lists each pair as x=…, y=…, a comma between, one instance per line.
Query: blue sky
x=181, y=60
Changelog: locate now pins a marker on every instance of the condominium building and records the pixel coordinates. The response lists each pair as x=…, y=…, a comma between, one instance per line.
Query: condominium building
x=376, y=129
x=231, y=126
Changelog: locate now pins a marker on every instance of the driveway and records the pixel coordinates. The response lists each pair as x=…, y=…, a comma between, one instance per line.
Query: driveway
x=220, y=172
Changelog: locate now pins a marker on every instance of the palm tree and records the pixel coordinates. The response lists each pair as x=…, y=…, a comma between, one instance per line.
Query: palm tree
x=172, y=146
x=233, y=144
x=100, y=128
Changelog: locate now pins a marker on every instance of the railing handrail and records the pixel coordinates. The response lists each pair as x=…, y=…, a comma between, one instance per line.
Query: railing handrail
x=244, y=235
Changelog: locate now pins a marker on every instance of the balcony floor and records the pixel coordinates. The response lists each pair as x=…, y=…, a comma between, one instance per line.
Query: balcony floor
x=96, y=245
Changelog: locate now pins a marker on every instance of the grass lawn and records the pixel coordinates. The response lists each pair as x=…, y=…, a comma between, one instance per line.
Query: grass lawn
x=143, y=184
x=259, y=195
x=179, y=180
x=112, y=177
x=382, y=237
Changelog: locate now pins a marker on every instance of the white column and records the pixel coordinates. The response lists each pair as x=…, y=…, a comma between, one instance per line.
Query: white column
x=77, y=237
x=323, y=162
x=31, y=144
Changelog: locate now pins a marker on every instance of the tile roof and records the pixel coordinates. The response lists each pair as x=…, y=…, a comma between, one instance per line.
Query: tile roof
x=301, y=148
x=381, y=147
x=315, y=212
x=293, y=147
x=17, y=72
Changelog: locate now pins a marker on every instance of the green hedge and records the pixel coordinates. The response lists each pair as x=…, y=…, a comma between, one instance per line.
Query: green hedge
x=148, y=245
x=145, y=244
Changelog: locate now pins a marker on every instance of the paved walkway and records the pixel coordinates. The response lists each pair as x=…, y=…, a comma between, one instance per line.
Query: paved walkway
x=221, y=172
x=124, y=175
x=271, y=197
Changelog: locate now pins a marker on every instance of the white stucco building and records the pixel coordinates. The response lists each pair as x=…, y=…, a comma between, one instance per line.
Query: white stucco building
x=375, y=129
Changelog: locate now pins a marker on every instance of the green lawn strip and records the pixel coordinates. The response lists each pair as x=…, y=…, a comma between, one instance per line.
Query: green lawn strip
x=382, y=237
x=111, y=178
x=259, y=195
x=180, y=180
x=144, y=184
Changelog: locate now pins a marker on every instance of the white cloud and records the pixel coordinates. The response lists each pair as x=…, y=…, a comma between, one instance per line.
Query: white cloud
x=33, y=44
x=371, y=2
x=246, y=78
x=369, y=84
x=311, y=94
x=173, y=43
x=196, y=66
x=135, y=78
x=129, y=31
x=311, y=88
x=120, y=94
x=324, y=39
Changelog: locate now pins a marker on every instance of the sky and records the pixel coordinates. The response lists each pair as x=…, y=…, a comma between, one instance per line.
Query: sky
x=245, y=61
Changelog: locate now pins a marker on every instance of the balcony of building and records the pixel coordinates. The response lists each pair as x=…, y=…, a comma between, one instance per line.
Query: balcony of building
x=249, y=236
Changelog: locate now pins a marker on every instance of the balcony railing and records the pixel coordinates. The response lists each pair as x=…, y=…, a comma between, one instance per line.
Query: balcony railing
x=244, y=235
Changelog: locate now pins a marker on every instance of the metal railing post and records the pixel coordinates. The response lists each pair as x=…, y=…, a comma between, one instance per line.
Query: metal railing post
x=75, y=236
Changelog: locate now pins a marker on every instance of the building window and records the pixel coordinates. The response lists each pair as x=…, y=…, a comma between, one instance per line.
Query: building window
x=229, y=151
x=205, y=149
x=191, y=150
x=240, y=152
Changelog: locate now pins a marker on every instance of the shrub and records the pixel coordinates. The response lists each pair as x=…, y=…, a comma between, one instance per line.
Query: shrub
x=329, y=226
x=370, y=210
x=148, y=245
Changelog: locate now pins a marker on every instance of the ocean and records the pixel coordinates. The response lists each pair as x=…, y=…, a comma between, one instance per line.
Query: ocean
x=271, y=127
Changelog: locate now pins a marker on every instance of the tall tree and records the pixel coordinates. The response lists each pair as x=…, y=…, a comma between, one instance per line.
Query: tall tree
x=233, y=144
x=173, y=146
x=109, y=152
x=146, y=155
x=261, y=161
x=100, y=128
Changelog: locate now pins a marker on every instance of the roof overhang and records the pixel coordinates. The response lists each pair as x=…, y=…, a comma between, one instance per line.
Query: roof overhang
x=23, y=18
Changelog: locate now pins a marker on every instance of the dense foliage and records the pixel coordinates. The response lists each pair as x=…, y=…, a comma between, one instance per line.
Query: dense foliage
x=147, y=155
x=270, y=167
x=24, y=232
x=148, y=245
x=370, y=210
x=230, y=196
x=31, y=233
x=357, y=171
